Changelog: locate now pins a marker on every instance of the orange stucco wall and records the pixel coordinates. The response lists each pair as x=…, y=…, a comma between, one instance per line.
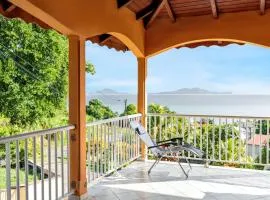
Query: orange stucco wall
x=246, y=26
x=88, y=18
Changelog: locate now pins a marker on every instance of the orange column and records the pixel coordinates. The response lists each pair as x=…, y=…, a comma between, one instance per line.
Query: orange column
x=77, y=115
x=142, y=100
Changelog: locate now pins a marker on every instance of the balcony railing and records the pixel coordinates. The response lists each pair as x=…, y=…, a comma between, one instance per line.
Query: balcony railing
x=36, y=164
x=231, y=140
x=111, y=144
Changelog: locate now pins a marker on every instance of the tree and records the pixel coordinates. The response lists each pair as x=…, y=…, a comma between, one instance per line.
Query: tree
x=90, y=68
x=33, y=72
x=159, y=109
x=219, y=141
x=130, y=110
x=261, y=127
x=98, y=110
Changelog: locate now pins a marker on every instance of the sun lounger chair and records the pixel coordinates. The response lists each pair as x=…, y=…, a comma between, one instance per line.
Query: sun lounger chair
x=161, y=149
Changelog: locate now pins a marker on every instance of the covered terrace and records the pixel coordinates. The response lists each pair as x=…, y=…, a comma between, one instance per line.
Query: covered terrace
x=147, y=28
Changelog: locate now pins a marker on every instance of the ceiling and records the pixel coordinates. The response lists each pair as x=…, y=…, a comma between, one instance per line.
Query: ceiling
x=149, y=11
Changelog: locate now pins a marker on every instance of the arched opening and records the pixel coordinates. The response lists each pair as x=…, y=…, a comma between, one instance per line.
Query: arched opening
x=208, y=43
x=117, y=41
x=226, y=68
x=115, y=82
x=215, y=97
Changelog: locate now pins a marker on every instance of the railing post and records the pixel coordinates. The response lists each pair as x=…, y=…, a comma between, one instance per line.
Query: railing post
x=77, y=116
x=142, y=98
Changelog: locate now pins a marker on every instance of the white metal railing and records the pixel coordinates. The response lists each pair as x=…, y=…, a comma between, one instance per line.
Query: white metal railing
x=236, y=140
x=111, y=144
x=36, y=164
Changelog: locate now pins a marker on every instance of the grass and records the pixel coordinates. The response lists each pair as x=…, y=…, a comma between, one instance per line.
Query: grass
x=13, y=177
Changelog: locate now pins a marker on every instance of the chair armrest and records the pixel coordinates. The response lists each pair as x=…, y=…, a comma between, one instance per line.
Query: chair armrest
x=163, y=144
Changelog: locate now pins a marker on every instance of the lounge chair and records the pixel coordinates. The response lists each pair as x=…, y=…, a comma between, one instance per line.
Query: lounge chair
x=161, y=149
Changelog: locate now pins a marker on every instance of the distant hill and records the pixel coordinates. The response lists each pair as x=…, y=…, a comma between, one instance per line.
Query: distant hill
x=107, y=91
x=191, y=91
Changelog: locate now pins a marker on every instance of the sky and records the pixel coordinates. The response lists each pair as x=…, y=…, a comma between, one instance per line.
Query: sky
x=233, y=68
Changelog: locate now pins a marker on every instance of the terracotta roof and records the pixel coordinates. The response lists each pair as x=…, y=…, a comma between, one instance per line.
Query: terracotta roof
x=259, y=139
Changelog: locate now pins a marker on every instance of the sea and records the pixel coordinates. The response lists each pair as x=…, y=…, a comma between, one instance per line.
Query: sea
x=196, y=104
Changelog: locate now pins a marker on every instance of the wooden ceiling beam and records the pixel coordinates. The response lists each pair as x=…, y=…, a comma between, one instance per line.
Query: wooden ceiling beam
x=170, y=10
x=104, y=38
x=5, y=4
x=143, y=13
x=214, y=8
x=156, y=12
x=147, y=10
x=10, y=8
x=123, y=3
x=6, y=7
x=262, y=7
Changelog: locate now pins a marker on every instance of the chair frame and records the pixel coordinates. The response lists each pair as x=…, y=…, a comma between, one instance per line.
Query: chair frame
x=174, y=142
x=173, y=146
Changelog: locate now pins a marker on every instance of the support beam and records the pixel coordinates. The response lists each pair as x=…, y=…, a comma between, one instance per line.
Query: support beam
x=147, y=10
x=123, y=3
x=262, y=7
x=142, y=97
x=10, y=8
x=77, y=115
x=170, y=10
x=214, y=8
x=104, y=38
x=156, y=12
x=7, y=6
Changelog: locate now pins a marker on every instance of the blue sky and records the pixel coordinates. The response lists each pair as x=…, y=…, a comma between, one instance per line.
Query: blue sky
x=237, y=69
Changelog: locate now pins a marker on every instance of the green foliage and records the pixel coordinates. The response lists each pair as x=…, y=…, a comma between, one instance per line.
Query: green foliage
x=159, y=123
x=220, y=142
x=33, y=72
x=262, y=125
x=130, y=110
x=90, y=68
x=98, y=110
x=263, y=155
x=7, y=130
x=13, y=177
x=159, y=109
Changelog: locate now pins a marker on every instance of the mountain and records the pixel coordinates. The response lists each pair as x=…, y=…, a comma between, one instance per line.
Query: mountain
x=191, y=91
x=108, y=91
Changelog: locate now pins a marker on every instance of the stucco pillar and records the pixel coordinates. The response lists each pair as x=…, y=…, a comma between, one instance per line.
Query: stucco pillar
x=77, y=116
x=142, y=98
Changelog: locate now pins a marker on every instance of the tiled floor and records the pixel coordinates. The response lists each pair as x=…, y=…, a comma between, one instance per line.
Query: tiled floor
x=167, y=182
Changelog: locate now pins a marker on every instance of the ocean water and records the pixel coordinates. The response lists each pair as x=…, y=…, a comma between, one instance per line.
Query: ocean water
x=229, y=105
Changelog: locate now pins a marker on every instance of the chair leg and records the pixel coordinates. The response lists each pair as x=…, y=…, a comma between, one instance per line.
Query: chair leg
x=187, y=160
x=186, y=173
x=155, y=163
